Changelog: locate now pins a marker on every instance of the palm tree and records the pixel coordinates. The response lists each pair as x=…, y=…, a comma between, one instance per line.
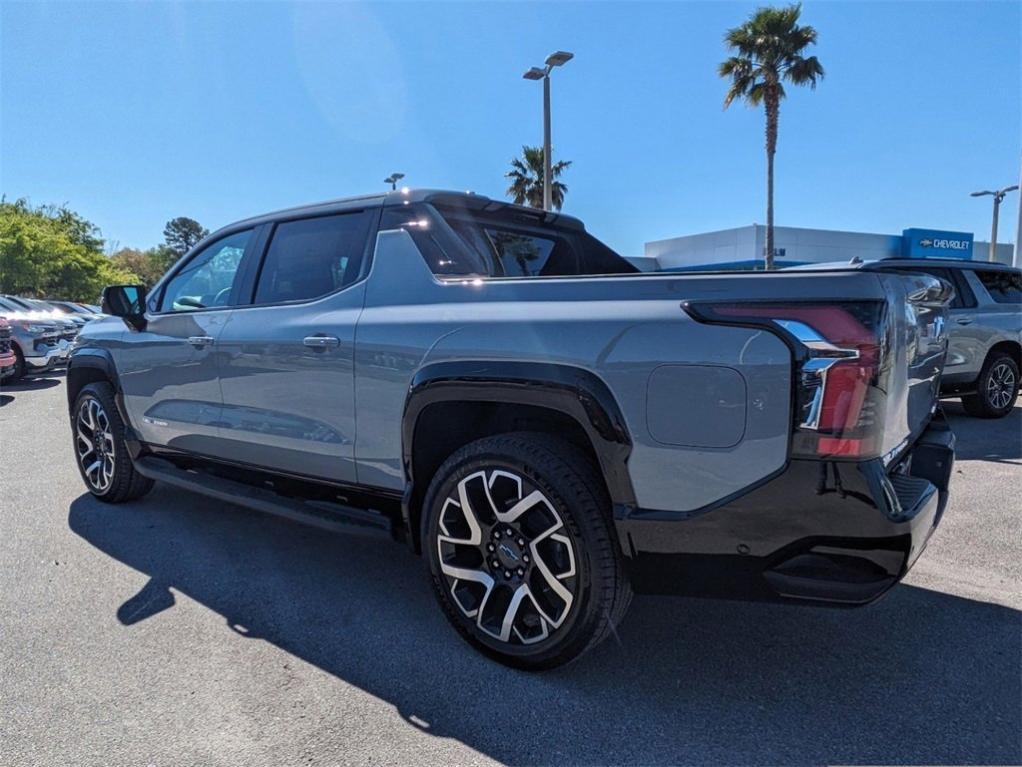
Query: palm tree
x=526, y=176
x=769, y=50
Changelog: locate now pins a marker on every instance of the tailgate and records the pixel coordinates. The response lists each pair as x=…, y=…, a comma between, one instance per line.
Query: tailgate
x=916, y=341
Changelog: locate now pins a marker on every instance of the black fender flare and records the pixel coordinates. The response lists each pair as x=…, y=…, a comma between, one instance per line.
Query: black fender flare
x=91, y=359
x=570, y=390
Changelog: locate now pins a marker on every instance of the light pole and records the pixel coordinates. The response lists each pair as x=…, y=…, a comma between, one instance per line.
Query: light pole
x=998, y=196
x=393, y=178
x=557, y=59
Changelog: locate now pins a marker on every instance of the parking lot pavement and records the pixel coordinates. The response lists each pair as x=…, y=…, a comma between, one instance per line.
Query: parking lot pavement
x=177, y=630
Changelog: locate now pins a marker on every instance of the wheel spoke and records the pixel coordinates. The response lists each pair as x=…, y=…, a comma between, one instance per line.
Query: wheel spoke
x=510, y=611
x=555, y=580
x=530, y=501
x=475, y=576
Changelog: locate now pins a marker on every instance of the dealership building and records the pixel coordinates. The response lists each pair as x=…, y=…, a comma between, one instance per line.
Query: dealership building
x=742, y=248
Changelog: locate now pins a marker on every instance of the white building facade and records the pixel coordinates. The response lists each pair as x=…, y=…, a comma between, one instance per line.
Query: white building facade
x=743, y=247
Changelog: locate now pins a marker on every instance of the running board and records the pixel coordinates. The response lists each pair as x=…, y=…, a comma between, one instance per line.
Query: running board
x=324, y=515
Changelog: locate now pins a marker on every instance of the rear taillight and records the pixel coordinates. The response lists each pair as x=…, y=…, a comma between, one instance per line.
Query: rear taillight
x=839, y=353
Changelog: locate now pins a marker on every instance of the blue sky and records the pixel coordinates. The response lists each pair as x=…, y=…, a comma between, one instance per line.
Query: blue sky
x=133, y=113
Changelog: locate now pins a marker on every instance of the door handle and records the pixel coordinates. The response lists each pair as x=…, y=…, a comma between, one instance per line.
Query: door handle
x=200, y=340
x=321, y=342
x=964, y=320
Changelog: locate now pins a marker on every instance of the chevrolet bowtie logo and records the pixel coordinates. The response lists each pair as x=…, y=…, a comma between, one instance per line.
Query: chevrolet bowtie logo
x=926, y=243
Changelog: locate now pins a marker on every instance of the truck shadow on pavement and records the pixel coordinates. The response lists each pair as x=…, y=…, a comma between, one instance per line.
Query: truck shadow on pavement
x=920, y=677
x=34, y=384
x=985, y=439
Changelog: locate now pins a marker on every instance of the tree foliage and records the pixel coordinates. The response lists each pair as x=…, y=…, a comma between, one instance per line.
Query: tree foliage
x=148, y=265
x=51, y=251
x=526, y=177
x=769, y=50
x=182, y=233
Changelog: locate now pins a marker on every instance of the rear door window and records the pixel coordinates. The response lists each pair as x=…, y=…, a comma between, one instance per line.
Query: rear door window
x=1004, y=286
x=312, y=257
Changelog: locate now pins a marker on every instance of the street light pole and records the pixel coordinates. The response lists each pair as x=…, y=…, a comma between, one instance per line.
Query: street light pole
x=998, y=196
x=548, y=189
x=392, y=179
x=557, y=59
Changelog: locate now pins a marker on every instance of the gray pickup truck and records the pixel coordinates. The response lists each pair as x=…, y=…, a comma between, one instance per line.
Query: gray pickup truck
x=548, y=428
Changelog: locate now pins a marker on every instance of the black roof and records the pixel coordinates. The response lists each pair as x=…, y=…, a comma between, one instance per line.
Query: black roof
x=468, y=200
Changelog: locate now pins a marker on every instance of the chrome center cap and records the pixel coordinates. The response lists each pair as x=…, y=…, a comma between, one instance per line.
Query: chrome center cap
x=509, y=554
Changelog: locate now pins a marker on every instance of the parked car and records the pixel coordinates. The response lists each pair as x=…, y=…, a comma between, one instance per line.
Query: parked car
x=43, y=309
x=37, y=343
x=549, y=428
x=77, y=311
x=985, y=333
x=8, y=361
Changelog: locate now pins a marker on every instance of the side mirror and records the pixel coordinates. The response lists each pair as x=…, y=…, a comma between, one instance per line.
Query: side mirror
x=127, y=302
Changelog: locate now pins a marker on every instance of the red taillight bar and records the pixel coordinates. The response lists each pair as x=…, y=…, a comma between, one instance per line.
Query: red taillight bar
x=839, y=363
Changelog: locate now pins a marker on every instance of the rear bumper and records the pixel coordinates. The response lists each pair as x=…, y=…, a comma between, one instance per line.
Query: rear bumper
x=835, y=532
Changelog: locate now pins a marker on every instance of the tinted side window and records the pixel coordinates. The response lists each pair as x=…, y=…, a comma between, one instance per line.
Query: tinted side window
x=1003, y=286
x=312, y=257
x=522, y=254
x=442, y=252
x=511, y=246
x=207, y=279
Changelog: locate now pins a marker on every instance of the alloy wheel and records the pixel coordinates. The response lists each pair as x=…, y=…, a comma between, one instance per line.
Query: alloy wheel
x=506, y=556
x=94, y=444
x=1001, y=385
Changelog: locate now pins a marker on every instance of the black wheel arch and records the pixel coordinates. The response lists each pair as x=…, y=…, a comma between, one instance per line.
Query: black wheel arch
x=563, y=399
x=1011, y=348
x=92, y=365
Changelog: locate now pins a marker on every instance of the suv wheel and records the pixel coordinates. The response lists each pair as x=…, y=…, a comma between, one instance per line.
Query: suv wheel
x=519, y=545
x=996, y=388
x=19, y=366
x=100, y=450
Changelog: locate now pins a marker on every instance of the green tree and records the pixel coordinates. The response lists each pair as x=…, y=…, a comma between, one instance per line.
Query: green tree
x=53, y=252
x=769, y=51
x=526, y=176
x=148, y=265
x=182, y=233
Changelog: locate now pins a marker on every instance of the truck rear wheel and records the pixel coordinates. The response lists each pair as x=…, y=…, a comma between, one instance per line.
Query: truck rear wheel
x=996, y=388
x=520, y=549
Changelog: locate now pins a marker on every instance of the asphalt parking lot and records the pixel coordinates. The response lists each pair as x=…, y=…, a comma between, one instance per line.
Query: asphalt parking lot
x=177, y=630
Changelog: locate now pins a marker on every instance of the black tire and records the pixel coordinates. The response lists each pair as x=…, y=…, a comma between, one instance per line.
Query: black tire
x=568, y=533
x=19, y=366
x=996, y=388
x=100, y=451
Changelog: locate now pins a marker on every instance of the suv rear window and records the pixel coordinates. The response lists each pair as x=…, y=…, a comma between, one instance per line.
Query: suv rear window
x=1004, y=286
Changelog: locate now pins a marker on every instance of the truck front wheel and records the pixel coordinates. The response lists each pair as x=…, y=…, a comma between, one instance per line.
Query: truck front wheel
x=520, y=549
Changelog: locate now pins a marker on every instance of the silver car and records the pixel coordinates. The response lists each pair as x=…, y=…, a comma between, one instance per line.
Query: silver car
x=985, y=337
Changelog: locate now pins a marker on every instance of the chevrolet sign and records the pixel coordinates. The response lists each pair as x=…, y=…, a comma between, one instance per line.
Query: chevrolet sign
x=931, y=243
